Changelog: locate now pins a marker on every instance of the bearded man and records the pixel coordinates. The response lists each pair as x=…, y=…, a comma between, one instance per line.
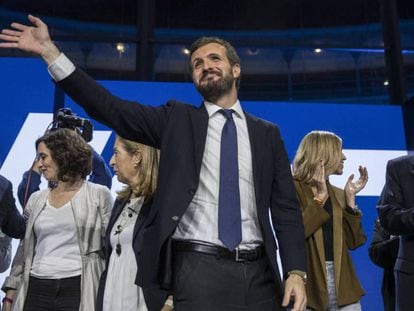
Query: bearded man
x=224, y=184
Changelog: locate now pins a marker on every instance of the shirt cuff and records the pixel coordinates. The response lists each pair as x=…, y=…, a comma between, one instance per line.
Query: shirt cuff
x=61, y=68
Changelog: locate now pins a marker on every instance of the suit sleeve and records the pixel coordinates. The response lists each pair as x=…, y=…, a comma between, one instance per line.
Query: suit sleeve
x=383, y=249
x=30, y=183
x=101, y=173
x=105, y=208
x=130, y=120
x=5, y=252
x=13, y=281
x=13, y=222
x=286, y=213
x=395, y=216
x=353, y=231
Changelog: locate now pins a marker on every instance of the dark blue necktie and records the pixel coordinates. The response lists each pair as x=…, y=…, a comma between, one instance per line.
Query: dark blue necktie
x=229, y=195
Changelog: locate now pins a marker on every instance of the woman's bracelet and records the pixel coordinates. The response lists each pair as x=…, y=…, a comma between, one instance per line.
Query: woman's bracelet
x=169, y=302
x=7, y=299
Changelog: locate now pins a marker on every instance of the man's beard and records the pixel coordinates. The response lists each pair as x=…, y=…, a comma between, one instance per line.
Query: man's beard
x=212, y=90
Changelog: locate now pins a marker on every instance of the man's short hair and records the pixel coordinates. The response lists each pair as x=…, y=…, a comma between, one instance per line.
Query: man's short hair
x=231, y=53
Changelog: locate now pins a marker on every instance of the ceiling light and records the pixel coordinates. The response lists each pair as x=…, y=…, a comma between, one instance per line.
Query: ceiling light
x=120, y=47
x=253, y=51
x=317, y=51
x=386, y=83
x=186, y=51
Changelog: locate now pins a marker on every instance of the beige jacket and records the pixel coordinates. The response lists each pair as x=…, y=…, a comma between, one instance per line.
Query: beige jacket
x=91, y=209
x=348, y=235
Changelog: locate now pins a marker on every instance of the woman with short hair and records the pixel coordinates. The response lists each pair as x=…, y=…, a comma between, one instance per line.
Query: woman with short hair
x=58, y=265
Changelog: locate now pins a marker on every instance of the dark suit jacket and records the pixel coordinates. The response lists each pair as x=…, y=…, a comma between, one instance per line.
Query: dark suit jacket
x=396, y=213
x=11, y=221
x=179, y=130
x=383, y=251
x=348, y=234
x=154, y=296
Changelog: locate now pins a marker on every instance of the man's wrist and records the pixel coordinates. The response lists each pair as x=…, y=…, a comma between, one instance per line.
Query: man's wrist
x=61, y=68
x=300, y=273
x=50, y=53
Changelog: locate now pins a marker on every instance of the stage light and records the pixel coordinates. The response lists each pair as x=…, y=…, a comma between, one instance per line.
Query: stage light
x=253, y=51
x=120, y=47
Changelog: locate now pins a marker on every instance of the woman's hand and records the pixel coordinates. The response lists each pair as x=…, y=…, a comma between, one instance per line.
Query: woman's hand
x=318, y=183
x=352, y=188
x=169, y=304
x=7, y=303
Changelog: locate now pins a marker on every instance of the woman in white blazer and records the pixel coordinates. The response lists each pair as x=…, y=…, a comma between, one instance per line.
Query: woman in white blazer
x=59, y=262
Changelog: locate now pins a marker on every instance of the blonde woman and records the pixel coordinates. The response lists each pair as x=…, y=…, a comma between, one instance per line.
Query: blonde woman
x=135, y=165
x=332, y=222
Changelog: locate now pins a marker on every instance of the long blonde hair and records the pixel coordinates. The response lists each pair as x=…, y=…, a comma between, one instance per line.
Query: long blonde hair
x=147, y=169
x=315, y=146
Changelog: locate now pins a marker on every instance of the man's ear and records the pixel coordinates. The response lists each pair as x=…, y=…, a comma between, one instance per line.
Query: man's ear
x=236, y=71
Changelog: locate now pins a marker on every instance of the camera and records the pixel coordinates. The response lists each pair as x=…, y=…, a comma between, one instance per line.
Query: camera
x=65, y=118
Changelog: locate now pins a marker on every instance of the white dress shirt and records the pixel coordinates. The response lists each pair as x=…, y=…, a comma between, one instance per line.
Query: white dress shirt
x=200, y=221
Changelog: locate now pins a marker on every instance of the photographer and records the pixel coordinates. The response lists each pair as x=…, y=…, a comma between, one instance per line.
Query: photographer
x=100, y=174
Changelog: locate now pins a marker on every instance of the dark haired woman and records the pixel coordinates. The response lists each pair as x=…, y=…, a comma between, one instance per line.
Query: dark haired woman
x=58, y=265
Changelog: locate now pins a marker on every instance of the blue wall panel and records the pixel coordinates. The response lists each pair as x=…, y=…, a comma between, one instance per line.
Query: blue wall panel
x=26, y=87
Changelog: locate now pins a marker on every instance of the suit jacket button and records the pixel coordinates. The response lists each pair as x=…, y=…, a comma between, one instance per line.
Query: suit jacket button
x=175, y=218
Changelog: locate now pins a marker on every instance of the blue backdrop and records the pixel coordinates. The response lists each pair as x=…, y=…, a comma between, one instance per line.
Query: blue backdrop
x=367, y=130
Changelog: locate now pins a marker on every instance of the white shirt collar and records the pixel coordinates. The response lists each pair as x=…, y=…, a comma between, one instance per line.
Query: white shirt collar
x=212, y=109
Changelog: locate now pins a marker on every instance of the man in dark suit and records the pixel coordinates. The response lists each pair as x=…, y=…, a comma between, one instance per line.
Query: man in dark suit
x=383, y=251
x=210, y=238
x=396, y=213
x=12, y=222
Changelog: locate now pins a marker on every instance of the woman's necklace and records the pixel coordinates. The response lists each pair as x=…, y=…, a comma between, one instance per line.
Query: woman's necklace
x=126, y=216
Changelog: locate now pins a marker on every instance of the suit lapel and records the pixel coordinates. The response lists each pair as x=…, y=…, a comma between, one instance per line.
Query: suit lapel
x=307, y=197
x=38, y=206
x=337, y=215
x=199, y=121
x=412, y=165
x=116, y=211
x=142, y=216
x=257, y=139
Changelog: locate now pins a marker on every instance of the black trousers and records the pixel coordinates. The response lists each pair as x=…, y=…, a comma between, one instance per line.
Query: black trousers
x=206, y=283
x=403, y=290
x=53, y=295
